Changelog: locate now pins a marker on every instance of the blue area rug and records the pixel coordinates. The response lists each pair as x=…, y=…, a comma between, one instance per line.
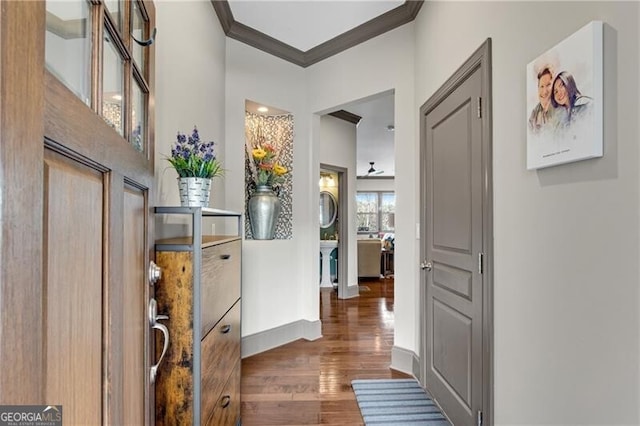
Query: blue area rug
x=396, y=402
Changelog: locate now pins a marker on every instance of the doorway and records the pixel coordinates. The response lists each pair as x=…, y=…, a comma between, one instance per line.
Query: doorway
x=456, y=243
x=355, y=135
x=336, y=184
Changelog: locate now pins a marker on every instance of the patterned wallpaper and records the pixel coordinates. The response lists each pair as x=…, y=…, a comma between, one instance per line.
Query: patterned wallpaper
x=278, y=131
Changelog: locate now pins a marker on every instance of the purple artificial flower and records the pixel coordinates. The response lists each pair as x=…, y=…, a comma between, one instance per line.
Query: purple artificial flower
x=193, y=158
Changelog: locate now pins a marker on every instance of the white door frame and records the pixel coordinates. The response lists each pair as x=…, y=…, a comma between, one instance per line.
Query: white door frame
x=343, y=228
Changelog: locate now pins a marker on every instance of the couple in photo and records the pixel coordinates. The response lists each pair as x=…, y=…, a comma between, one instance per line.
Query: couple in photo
x=560, y=101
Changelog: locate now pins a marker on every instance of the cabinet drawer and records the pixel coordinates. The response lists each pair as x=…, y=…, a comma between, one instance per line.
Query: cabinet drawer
x=226, y=410
x=220, y=351
x=220, y=282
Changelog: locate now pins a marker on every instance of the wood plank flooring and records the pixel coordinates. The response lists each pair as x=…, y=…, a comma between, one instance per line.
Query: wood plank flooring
x=309, y=383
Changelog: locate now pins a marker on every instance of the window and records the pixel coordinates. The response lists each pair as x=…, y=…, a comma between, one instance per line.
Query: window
x=376, y=212
x=100, y=51
x=68, y=45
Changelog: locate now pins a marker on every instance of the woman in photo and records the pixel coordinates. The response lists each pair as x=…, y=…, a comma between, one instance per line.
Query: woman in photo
x=567, y=99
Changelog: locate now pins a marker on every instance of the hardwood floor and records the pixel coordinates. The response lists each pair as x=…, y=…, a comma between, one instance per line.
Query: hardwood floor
x=309, y=383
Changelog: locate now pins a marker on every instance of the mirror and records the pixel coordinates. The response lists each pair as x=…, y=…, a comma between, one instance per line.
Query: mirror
x=328, y=209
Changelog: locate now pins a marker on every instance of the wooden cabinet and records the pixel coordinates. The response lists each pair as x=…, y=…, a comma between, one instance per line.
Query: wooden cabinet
x=198, y=381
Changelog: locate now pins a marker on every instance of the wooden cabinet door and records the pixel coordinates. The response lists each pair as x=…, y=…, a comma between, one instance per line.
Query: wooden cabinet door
x=75, y=245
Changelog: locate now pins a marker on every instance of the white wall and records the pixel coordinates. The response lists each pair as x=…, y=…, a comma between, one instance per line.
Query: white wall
x=567, y=302
x=279, y=277
x=337, y=147
x=376, y=185
x=379, y=65
x=566, y=238
x=190, y=81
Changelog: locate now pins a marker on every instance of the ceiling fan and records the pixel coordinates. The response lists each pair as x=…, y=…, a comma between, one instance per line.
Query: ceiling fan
x=372, y=171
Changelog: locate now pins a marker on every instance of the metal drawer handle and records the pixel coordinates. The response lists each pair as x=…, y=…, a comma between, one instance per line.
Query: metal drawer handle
x=225, y=329
x=225, y=256
x=225, y=401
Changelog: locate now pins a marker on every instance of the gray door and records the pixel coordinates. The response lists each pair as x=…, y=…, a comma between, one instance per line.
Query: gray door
x=454, y=236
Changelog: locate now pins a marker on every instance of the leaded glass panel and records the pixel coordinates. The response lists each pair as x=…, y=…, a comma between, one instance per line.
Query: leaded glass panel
x=138, y=27
x=115, y=8
x=138, y=116
x=112, y=84
x=68, y=45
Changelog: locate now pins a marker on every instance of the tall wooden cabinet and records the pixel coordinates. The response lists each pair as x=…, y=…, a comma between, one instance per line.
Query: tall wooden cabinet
x=198, y=380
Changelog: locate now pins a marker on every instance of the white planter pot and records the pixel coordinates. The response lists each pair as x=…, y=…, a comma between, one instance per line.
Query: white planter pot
x=194, y=192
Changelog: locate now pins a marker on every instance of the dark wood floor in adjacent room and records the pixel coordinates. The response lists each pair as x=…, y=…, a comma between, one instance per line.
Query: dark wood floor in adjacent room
x=309, y=383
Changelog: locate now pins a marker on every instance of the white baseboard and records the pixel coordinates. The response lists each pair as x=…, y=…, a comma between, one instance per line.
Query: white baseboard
x=352, y=291
x=269, y=339
x=402, y=359
x=405, y=361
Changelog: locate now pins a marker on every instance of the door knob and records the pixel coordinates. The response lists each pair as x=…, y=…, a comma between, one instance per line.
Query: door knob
x=426, y=265
x=155, y=273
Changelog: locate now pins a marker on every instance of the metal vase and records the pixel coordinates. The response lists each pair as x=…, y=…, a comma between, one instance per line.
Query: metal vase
x=194, y=191
x=264, y=208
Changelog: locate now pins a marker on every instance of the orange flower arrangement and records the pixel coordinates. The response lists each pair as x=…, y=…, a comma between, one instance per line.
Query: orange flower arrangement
x=263, y=159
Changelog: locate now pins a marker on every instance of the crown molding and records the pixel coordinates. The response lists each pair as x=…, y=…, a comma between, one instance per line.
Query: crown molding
x=364, y=177
x=346, y=116
x=257, y=39
x=372, y=28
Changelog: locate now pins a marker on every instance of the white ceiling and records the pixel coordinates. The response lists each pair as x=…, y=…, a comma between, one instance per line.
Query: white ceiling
x=375, y=142
x=305, y=24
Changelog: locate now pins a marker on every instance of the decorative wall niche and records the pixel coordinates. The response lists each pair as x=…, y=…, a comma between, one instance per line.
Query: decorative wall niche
x=276, y=131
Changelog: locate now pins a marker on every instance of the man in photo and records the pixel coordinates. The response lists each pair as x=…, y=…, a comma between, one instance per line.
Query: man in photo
x=543, y=112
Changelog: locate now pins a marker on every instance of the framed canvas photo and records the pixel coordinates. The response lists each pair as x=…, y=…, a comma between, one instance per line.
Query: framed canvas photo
x=564, y=100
